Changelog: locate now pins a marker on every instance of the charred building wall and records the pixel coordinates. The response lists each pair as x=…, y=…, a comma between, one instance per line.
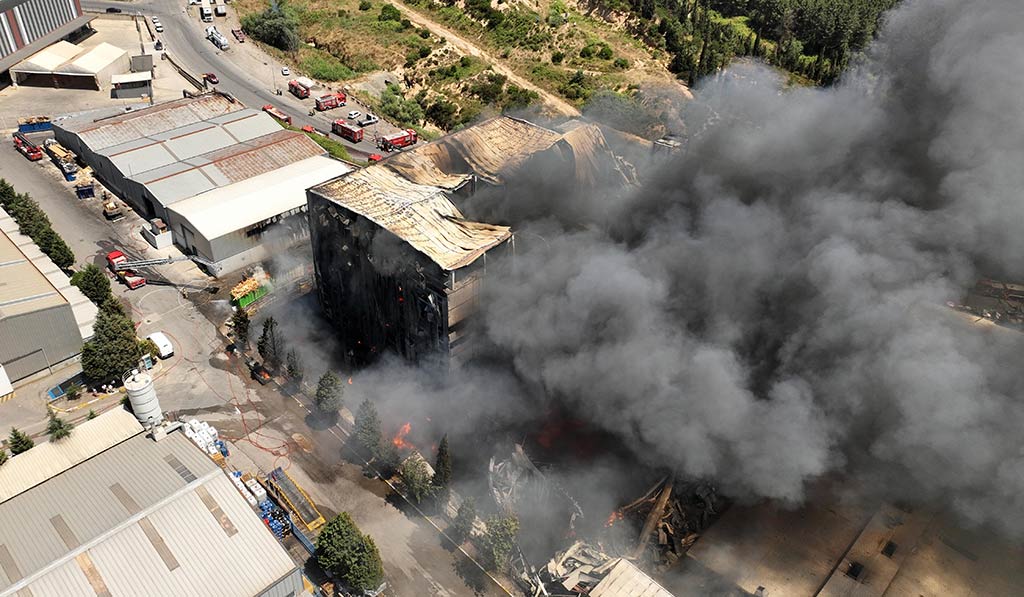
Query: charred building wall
x=381, y=294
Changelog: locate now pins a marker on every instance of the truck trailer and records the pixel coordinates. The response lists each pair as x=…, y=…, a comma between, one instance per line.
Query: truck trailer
x=331, y=101
x=205, y=12
x=347, y=131
x=398, y=140
x=27, y=148
x=279, y=115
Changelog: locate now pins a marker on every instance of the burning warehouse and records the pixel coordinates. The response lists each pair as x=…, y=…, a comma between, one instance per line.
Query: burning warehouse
x=398, y=265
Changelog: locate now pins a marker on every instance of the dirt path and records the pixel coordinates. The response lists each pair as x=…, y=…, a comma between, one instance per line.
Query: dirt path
x=467, y=47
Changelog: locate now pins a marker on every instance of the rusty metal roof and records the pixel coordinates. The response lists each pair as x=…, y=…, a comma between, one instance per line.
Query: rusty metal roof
x=160, y=118
x=421, y=215
x=487, y=149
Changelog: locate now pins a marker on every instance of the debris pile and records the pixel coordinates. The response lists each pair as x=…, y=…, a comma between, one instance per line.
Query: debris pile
x=517, y=479
x=673, y=514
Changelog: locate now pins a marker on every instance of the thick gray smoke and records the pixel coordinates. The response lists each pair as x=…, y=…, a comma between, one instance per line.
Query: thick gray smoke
x=768, y=309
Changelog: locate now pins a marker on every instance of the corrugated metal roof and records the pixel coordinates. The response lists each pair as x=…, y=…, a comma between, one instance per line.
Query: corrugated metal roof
x=49, y=59
x=242, y=204
x=153, y=120
x=30, y=281
x=626, y=580
x=28, y=469
x=421, y=215
x=131, y=77
x=489, y=148
x=422, y=170
x=95, y=60
x=128, y=522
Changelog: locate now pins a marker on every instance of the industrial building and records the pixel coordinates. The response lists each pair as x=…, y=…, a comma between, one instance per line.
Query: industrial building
x=111, y=511
x=227, y=180
x=28, y=26
x=398, y=266
x=44, y=320
x=65, y=65
x=832, y=546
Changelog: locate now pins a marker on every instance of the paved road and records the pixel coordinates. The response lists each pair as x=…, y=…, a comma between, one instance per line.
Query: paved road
x=250, y=80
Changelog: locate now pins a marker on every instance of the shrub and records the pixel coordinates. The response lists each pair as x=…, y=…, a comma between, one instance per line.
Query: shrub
x=344, y=551
x=424, y=33
x=365, y=5
x=621, y=63
x=586, y=52
x=273, y=27
x=388, y=12
x=402, y=110
x=557, y=57
x=605, y=53
x=465, y=62
x=442, y=113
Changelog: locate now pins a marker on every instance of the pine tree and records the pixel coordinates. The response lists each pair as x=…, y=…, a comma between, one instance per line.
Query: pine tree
x=19, y=442
x=329, y=394
x=344, y=551
x=114, y=347
x=462, y=526
x=58, y=428
x=443, y=464
x=294, y=367
x=3, y=456
x=93, y=283
x=368, y=431
x=416, y=478
x=240, y=323
x=270, y=345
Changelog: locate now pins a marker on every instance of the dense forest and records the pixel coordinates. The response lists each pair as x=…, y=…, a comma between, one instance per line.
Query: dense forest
x=811, y=38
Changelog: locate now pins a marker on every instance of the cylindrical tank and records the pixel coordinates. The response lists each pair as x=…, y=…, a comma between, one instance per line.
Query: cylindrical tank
x=142, y=397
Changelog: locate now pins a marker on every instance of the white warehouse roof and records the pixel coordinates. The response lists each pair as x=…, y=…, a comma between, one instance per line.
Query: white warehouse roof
x=49, y=58
x=95, y=60
x=139, y=517
x=240, y=205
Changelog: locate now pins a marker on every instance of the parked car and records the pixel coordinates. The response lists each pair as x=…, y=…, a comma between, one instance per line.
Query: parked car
x=113, y=10
x=156, y=20
x=158, y=46
x=163, y=344
x=375, y=157
x=354, y=114
x=158, y=28
x=238, y=35
x=212, y=78
x=368, y=120
x=285, y=71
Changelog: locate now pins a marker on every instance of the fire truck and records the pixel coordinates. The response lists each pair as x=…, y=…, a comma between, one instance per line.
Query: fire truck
x=300, y=87
x=125, y=270
x=27, y=148
x=269, y=109
x=330, y=101
x=347, y=131
x=398, y=140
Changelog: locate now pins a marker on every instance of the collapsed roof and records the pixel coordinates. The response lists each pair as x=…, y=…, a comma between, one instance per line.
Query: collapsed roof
x=420, y=215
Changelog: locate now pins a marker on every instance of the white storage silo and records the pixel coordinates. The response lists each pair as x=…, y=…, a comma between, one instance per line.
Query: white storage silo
x=142, y=396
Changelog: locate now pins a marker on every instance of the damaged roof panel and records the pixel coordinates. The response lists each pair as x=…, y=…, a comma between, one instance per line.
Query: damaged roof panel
x=421, y=215
x=626, y=580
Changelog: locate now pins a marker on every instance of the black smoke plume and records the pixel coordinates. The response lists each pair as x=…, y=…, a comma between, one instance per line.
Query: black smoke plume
x=768, y=308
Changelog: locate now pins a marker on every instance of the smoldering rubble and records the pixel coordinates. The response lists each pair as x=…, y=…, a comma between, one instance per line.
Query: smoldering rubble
x=768, y=307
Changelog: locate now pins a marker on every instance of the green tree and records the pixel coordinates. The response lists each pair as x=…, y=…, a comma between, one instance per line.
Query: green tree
x=294, y=366
x=240, y=324
x=329, y=393
x=93, y=283
x=147, y=346
x=499, y=541
x=368, y=431
x=462, y=526
x=33, y=223
x=443, y=464
x=405, y=111
x=271, y=345
x=388, y=12
x=344, y=551
x=415, y=478
x=388, y=459
x=19, y=442
x=92, y=415
x=58, y=428
x=442, y=113
x=365, y=5
x=275, y=27
x=3, y=456
x=114, y=347
x=55, y=248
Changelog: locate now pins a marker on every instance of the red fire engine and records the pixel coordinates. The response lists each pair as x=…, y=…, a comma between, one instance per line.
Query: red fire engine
x=331, y=101
x=347, y=131
x=398, y=140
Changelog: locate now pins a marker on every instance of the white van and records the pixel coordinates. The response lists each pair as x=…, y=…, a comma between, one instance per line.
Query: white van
x=163, y=344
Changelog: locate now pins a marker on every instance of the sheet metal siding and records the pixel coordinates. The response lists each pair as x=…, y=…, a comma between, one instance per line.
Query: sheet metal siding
x=7, y=41
x=25, y=338
x=82, y=495
x=280, y=235
x=289, y=586
x=39, y=17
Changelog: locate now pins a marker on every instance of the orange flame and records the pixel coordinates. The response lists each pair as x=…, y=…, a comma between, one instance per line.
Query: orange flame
x=399, y=439
x=614, y=517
